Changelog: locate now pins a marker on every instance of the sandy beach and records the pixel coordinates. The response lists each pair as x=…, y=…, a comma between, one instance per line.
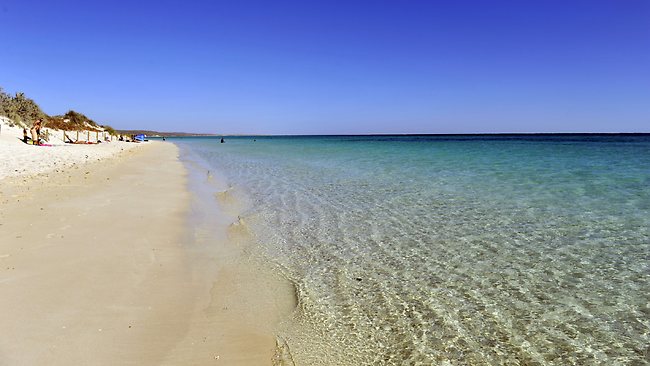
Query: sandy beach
x=320, y=183
x=99, y=265
x=21, y=160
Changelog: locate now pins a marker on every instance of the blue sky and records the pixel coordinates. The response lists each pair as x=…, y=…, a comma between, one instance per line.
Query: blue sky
x=335, y=67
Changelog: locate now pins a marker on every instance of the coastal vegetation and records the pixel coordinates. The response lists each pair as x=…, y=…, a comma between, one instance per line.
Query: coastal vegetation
x=20, y=109
x=23, y=111
x=73, y=121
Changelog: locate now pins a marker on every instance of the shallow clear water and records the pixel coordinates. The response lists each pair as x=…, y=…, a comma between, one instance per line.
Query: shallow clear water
x=461, y=250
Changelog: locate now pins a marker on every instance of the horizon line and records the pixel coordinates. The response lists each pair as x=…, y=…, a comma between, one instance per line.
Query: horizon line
x=198, y=134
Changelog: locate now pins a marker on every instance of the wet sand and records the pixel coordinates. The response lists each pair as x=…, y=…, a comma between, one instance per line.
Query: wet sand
x=100, y=265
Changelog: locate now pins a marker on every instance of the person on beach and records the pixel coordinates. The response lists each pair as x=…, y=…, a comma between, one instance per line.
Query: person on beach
x=68, y=140
x=36, y=131
x=25, y=137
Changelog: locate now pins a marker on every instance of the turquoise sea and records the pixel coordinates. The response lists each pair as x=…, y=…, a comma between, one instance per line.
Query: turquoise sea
x=449, y=250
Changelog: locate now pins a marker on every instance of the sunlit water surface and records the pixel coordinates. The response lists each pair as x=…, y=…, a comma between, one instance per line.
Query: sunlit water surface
x=451, y=250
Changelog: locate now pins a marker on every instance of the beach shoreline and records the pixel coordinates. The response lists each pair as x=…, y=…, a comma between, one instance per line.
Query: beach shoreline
x=99, y=264
x=241, y=301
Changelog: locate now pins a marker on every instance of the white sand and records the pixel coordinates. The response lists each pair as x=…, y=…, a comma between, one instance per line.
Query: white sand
x=20, y=159
x=92, y=268
x=99, y=267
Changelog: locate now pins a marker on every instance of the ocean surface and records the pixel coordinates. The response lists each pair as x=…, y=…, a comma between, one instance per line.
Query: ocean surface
x=450, y=250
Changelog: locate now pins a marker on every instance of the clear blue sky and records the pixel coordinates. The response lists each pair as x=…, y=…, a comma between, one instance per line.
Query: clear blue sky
x=329, y=67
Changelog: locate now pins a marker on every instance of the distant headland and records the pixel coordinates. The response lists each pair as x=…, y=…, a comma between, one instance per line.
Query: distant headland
x=163, y=134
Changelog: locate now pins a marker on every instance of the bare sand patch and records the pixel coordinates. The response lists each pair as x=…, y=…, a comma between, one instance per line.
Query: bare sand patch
x=98, y=266
x=94, y=270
